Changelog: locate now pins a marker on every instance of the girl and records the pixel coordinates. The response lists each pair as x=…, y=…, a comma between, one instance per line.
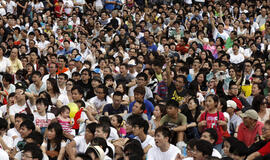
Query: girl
x=211, y=118
x=54, y=145
x=64, y=119
x=159, y=112
x=227, y=145
x=117, y=122
x=41, y=118
x=53, y=90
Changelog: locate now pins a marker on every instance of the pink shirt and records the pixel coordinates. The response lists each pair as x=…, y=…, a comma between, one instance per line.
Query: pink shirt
x=248, y=136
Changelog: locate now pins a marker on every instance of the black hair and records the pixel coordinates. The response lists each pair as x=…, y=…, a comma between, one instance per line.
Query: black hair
x=239, y=148
x=47, y=97
x=212, y=133
x=58, y=135
x=3, y=124
x=36, y=137
x=28, y=124
x=7, y=77
x=54, y=85
x=79, y=88
x=92, y=127
x=105, y=128
x=64, y=108
x=98, y=141
x=142, y=123
x=64, y=75
x=172, y=103
x=142, y=74
x=36, y=73
x=205, y=147
x=23, y=116
x=133, y=146
x=105, y=120
x=81, y=102
x=140, y=90
x=34, y=149
x=165, y=131
x=117, y=93
x=257, y=102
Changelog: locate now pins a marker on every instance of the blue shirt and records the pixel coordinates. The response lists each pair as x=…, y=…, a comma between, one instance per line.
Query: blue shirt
x=148, y=106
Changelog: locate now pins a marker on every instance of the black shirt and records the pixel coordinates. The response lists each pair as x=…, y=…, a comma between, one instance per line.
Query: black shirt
x=109, y=108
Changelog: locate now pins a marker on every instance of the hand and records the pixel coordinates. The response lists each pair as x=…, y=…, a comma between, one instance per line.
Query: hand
x=222, y=123
x=202, y=123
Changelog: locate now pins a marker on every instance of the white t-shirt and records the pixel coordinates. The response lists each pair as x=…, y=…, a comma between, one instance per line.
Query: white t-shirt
x=13, y=132
x=236, y=58
x=155, y=153
x=81, y=145
x=8, y=140
x=64, y=99
x=43, y=121
x=98, y=103
x=10, y=6
x=113, y=134
x=216, y=153
x=20, y=109
x=148, y=141
x=3, y=155
x=4, y=64
x=223, y=35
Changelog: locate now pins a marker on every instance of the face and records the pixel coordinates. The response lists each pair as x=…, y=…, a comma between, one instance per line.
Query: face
x=198, y=155
x=114, y=122
x=179, y=83
x=266, y=131
x=51, y=134
x=41, y=108
x=192, y=105
x=160, y=139
x=141, y=81
x=24, y=131
x=226, y=148
x=65, y=114
x=36, y=78
x=88, y=135
x=200, y=78
x=117, y=100
x=99, y=133
x=247, y=121
x=138, y=97
x=157, y=112
x=61, y=80
x=69, y=85
x=210, y=103
x=100, y=93
x=136, y=109
x=206, y=136
x=27, y=156
x=76, y=95
x=255, y=90
x=171, y=110
x=49, y=85
x=120, y=88
x=18, y=122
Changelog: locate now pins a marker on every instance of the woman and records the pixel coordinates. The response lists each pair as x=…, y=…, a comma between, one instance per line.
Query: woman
x=54, y=145
x=257, y=89
x=121, y=87
x=259, y=104
x=53, y=90
x=65, y=99
x=201, y=79
x=16, y=63
x=192, y=111
x=43, y=70
x=5, y=64
x=158, y=113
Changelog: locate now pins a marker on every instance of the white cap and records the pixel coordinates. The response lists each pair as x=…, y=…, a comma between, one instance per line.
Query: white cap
x=232, y=104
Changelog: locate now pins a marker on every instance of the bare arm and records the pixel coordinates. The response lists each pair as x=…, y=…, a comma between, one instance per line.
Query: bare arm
x=253, y=156
x=71, y=151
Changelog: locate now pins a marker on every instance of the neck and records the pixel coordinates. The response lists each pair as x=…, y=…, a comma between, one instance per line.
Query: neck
x=53, y=74
x=165, y=147
x=142, y=137
x=21, y=102
x=42, y=113
x=213, y=110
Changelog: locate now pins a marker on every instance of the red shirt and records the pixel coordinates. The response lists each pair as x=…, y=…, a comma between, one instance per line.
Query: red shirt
x=247, y=135
x=211, y=122
x=265, y=149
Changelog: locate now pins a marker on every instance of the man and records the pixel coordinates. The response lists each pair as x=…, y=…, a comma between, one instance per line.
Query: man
x=163, y=149
x=176, y=121
x=139, y=93
x=116, y=107
x=265, y=150
x=81, y=143
x=251, y=128
x=67, y=49
x=140, y=129
x=62, y=80
x=211, y=136
x=141, y=80
x=235, y=120
x=62, y=60
x=215, y=69
x=137, y=109
x=219, y=31
x=236, y=57
x=85, y=81
x=6, y=142
x=26, y=128
x=203, y=149
x=124, y=76
x=38, y=85
x=103, y=131
x=33, y=151
x=52, y=72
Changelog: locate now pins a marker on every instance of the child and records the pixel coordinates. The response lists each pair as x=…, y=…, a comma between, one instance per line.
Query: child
x=212, y=118
x=41, y=118
x=117, y=122
x=64, y=120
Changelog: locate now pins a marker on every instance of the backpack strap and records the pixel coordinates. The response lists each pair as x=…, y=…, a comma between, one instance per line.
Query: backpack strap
x=205, y=115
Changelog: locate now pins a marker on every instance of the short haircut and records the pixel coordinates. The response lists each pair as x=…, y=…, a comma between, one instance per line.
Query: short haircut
x=142, y=123
x=36, y=73
x=36, y=136
x=23, y=116
x=64, y=75
x=139, y=90
x=142, y=74
x=79, y=88
x=117, y=93
x=105, y=128
x=3, y=124
x=92, y=127
x=205, y=147
x=213, y=134
x=28, y=124
x=239, y=148
x=35, y=151
x=172, y=103
x=165, y=131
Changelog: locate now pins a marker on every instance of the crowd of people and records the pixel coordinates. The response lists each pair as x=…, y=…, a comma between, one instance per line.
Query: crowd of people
x=135, y=80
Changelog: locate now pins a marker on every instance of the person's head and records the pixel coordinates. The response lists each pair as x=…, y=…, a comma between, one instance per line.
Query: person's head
x=101, y=92
x=117, y=98
x=35, y=137
x=159, y=111
x=51, y=84
x=3, y=126
x=77, y=93
x=62, y=79
x=133, y=146
x=36, y=77
x=140, y=126
x=266, y=130
x=123, y=69
x=64, y=111
x=19, y=118
x=55, y=134
x=172, y=107
x=228, y=142
x=121, y=87
x=180, y=81
x=250, y=118
x=7, y=79
x=257, y=89
x=238, y=150
x=42, y=105
x=162, y=136
x=116, y=121
x=98, y=141
x=259, y=103
x=231, y=106
x=138, y=108
x=95, y=153
x=86, y=74
x=190, y=147
x=90, y=131
x=139, y=93
x=193, y=103
x=102, y=130
x=32, y=151
x=202, y=150
x=211, y=102
x=53, y=68
x=210, y=135
x=141, y=79
x=26, y=128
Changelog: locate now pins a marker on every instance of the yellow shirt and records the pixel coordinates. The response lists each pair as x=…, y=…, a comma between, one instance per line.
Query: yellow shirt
x=15, y=65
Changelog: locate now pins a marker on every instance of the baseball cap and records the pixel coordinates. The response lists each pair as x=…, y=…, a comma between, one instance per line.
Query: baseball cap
x=78, y=58
x=231, y=104
x=132, y=62
x=251, y=113
x=20, y=85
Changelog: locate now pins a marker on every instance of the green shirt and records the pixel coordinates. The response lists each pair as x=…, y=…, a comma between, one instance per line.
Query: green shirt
x=229, y=43
x=169, y=122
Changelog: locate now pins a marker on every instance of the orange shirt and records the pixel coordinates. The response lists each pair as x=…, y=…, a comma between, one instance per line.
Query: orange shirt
x=62, y=71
